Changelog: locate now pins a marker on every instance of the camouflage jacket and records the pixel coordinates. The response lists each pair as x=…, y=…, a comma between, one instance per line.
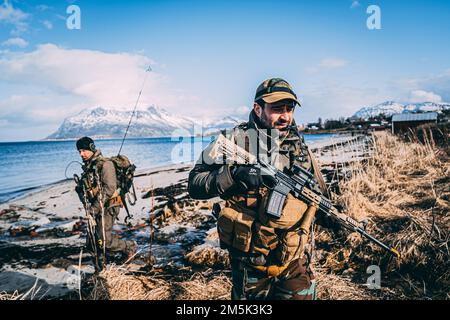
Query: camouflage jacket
x=99, y=174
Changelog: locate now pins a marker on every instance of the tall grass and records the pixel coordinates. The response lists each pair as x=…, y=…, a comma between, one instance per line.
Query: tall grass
x=403, y=191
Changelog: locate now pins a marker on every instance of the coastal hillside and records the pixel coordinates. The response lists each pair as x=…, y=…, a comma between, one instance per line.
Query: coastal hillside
x=390, y=108
x=103, y=122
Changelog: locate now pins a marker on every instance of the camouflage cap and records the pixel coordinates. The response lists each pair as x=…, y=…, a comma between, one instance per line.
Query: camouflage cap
x=275, y=89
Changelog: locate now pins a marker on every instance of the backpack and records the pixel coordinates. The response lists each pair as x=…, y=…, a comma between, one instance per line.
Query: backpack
x=124, y=173
x=124, y=176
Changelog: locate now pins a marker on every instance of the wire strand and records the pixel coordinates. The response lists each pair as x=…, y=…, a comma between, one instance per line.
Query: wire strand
x=135, y=106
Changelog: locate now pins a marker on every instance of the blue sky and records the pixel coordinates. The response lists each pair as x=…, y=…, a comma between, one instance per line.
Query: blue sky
x=208, y=57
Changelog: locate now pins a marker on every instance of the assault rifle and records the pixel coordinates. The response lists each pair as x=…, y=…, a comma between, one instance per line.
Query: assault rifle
x=296, y=181
x=84, y=197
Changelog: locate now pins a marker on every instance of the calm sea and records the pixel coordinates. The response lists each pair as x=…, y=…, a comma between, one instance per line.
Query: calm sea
x=26, y=166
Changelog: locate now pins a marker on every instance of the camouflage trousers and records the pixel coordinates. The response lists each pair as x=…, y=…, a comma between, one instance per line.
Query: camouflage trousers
x=295, y=283
x=112, y=242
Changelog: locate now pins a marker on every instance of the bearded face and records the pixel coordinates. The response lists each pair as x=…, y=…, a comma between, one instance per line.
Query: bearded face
x=278, y=115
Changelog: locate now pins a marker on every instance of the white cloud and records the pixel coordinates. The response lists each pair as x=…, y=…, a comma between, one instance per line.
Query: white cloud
x=333, y=63
x=326, y=64
x=241, y=111
x=433, y=86
x=47, y=24
x=332, y=99
x=418, y=96
x=52, y=83
x=43, y=7
x=325, y=96
x=355, y=4
x=18, y=42
x=111, y=79
x=12, y=16
x=37, y=108
x=311, y=70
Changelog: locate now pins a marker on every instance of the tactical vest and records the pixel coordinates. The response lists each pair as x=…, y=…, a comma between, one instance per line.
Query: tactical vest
x=244, y=225
x=90, y=180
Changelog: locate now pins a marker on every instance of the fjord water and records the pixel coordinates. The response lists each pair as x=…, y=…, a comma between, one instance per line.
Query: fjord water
x=26, y=166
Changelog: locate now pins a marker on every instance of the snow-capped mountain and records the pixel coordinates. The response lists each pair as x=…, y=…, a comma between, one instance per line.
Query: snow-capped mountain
x=102, y=122
x=427, y=107
x=390, y=108
x=224, y=123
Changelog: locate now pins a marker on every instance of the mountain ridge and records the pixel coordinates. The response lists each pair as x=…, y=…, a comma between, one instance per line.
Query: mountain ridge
x=103, y=122
x=390, y=108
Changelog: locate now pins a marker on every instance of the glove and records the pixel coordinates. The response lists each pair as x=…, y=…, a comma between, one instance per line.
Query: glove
x=248, y=178
x=79, y=191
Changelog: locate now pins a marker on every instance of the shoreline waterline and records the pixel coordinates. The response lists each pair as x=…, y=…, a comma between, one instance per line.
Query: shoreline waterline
x=30, y=167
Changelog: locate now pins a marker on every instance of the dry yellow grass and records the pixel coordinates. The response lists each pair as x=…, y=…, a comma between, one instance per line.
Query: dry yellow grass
x=117, y=283
x=404, y=193
x=30, y=294
x=199, y=288
x=334, y=287
x=7, y=296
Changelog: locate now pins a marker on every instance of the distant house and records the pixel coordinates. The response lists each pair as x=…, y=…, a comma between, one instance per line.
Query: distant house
x=376, y=127
x=403, y=121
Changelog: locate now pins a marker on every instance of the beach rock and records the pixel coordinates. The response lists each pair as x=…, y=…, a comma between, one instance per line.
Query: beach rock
x=44, y=226
x=41, y=222
x=167, y=213
x=78, y=225
x=209, y=256
x=5, y=211
x=61, y=263
x=16, y=207
x=21, y=230
x=147, y=194
x=9, y=214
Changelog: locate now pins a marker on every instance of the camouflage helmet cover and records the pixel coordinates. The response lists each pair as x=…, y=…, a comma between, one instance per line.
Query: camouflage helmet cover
x=274, y=90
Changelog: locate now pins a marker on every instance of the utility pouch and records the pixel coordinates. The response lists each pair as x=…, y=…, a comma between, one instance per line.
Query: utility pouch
x=225, y=226
x=290, y=246
x=243, y=232
x=235, y=229
x=292, y=212
x=264, y=239
x=294, y=241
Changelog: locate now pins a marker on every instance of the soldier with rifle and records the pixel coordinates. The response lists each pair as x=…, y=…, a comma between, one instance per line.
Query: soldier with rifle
x=273, y=188
x=100, y=194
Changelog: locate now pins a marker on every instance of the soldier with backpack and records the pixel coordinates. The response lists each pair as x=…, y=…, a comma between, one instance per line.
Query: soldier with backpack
x=101, y=190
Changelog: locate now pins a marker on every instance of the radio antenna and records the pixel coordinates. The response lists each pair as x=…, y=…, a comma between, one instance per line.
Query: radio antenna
x=149, y=69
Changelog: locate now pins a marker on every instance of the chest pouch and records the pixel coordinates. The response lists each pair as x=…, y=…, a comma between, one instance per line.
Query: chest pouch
x=234, y=226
